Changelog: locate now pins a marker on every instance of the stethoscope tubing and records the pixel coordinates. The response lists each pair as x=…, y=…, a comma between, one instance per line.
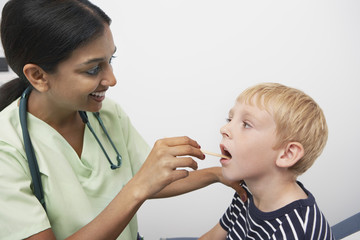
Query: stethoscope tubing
x=30, y=153
x=85, y=119
x=29, y=149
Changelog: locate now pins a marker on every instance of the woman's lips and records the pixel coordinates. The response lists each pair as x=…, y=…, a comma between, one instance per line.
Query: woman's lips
x=98, y=96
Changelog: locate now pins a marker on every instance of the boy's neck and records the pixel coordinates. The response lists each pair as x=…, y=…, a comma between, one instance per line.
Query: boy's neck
x=275, y=194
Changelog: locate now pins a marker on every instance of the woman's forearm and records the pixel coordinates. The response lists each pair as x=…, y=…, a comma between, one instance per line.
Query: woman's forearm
x=115, y=217
x=196, y=180
x=111, y=221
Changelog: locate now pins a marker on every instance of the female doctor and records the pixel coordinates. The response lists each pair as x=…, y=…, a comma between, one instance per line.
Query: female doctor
x=95, y=170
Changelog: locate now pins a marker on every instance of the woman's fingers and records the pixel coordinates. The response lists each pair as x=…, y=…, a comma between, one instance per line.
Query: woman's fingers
x=184, y=162
x=177, y=141
x=177, y=146
x=166, y=162
x=240, y=191
x=179, y=174
x=186, y=150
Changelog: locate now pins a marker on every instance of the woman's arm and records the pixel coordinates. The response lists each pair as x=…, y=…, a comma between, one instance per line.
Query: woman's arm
x=199, y=179
x=110, y=222
x=196, y=180
x=158, y=170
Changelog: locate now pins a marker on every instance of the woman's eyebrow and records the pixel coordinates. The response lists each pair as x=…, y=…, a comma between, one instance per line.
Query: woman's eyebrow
x=95, y=60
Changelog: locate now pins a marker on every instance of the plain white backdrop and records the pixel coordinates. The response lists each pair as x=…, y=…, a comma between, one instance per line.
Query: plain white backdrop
x=181, y=64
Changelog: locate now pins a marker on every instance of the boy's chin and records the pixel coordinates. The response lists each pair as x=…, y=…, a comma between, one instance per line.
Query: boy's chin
x=229, y=176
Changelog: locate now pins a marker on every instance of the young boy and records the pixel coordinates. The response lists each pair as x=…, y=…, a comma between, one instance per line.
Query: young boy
x=274, y=133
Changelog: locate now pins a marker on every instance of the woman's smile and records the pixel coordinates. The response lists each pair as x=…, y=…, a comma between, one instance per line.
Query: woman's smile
x=98, y=96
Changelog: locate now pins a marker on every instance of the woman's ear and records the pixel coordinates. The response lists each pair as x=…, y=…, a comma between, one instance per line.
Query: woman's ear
x=291, y=154
x=36, y=76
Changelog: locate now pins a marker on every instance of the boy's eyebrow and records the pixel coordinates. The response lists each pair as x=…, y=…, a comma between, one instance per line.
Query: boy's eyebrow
x=231, y=112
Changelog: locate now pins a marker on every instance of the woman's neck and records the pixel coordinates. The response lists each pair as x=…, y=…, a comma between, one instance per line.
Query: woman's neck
x=50, y=112
x=66, y=122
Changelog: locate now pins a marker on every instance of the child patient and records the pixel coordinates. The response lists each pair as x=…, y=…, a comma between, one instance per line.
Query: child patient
x=274, y=134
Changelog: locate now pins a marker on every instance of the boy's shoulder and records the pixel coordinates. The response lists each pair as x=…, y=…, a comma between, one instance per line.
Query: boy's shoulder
x=301, y=218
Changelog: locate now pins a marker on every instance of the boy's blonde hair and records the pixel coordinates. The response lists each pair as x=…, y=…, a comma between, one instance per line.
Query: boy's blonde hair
x=297, y=116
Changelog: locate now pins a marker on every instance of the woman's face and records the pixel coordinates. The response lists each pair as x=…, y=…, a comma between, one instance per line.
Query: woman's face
x=81, y=81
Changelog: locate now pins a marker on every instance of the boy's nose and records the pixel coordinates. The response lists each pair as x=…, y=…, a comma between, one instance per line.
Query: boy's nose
x=224, y=131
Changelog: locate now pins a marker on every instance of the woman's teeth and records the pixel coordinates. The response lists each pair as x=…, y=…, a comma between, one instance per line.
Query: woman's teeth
x=98, y=94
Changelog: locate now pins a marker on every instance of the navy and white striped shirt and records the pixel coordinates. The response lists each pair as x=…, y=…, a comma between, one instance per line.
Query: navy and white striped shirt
x=301, y=220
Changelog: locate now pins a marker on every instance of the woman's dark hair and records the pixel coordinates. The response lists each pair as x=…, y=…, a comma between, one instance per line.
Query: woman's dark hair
x=45, y=33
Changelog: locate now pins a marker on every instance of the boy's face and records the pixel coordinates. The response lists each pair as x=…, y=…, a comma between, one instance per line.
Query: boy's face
x=249, y=138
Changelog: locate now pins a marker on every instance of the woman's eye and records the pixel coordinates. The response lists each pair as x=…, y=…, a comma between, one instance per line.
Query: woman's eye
x=111, y=59
x=94, y=71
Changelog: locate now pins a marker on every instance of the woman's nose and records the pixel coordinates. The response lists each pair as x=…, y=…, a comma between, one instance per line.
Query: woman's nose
x=109, y=78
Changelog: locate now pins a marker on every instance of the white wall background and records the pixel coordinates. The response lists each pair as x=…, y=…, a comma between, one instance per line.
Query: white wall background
x=181, y=64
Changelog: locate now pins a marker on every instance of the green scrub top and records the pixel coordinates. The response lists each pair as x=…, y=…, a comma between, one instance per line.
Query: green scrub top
x=76, y=189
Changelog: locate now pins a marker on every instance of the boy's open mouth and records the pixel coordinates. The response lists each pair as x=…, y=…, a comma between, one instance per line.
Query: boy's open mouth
x=225, y=152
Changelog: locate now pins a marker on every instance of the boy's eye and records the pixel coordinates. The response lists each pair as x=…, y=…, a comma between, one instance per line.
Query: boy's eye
x=228, y=120
x=94, y=71
x=246, y=125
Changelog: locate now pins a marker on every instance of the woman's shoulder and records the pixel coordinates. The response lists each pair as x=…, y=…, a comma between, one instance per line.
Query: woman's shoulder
x=10, y=111
x=10, y=121
x=11, y=135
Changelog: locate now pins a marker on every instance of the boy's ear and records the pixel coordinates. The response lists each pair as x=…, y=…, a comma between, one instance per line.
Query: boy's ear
x=291, y=154
x=36, y=76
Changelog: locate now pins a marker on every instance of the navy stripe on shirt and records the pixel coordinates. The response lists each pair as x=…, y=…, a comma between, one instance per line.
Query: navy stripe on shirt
x=301, y=219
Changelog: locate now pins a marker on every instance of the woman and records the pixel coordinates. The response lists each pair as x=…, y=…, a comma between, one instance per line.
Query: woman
x=62, y=51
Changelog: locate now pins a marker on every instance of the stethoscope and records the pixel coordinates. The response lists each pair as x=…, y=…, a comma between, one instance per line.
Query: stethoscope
x=30, y=153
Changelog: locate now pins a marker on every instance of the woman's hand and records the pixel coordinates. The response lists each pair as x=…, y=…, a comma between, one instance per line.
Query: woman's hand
x=161, y=167
x=235, y=185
